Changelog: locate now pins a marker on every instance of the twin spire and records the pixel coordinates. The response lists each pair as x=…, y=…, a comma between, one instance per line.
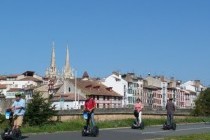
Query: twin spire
x=52, y=70
x=67, y=69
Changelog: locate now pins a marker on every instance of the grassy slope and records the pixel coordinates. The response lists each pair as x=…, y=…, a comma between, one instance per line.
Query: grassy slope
x=76, y=125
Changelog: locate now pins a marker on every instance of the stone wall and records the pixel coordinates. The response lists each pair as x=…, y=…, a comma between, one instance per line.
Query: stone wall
x=118, y=113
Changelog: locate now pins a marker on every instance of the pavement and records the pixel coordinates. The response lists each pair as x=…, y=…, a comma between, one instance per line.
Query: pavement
x=149, y=133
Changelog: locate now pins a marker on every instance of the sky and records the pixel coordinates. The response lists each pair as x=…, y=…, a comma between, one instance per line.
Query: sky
x=160, y=37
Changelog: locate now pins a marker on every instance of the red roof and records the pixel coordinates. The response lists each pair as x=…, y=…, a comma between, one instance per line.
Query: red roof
x=14, y=90
x=13, y=76
x=94, y=87
x=3, y=78
x=3, y=86
x=67, y=97
x=30, y=78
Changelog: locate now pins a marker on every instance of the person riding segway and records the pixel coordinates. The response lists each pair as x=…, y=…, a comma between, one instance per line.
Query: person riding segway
x=15, y=116
x=170, y=108
x=90, y=129
x=138, y=123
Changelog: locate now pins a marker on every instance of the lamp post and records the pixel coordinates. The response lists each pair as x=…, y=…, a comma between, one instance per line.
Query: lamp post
x=78, y=96
x=75, y=93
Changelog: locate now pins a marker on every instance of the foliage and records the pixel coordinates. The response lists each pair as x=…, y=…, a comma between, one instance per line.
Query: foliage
x=2, y=118
x=202, y=104
x=39, y=111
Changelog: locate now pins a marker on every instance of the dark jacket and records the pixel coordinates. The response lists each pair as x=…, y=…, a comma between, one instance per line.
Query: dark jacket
x=170, y=107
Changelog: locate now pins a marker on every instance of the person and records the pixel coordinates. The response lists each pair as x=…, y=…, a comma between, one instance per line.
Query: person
x=67, y=106
x=138, y=109
x=170, y=107
x=18, y=108
x=89, y=107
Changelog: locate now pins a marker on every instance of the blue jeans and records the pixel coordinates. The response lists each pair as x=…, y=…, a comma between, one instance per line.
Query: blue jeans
x=170, y=119
x=91, y=119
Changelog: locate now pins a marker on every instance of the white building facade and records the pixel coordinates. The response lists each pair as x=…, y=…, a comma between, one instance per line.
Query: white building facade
x=118, y=85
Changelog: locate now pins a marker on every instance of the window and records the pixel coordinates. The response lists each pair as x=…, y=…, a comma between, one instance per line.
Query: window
x=69, y=89
x=115, y=106
x=130, y=100
x=130, y=91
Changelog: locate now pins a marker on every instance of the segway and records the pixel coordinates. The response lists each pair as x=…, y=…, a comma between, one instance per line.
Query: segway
x=136, y=124
x=89, y=130
x=171, y=125
x=9, y=133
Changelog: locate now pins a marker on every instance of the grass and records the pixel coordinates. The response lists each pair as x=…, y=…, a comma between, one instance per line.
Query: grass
x=77, y=125
x=204, y=136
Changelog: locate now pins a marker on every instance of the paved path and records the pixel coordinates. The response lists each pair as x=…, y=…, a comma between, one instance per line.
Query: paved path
x=149, y=133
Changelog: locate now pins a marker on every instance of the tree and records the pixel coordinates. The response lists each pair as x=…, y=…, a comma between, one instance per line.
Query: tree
x=202, y=104
x=39, y=111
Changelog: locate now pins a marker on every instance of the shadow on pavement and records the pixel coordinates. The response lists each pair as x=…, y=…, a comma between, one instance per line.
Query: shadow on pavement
x=24, y=137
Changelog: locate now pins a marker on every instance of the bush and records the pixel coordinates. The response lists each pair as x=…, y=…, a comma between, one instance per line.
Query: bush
x=39, y=111
x=2, y=118
x=202, y=103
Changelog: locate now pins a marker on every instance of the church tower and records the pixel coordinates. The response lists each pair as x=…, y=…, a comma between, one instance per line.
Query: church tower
x=52, y=71
x=68, y=74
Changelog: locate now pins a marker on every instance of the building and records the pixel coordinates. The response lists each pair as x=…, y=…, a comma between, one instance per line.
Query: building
x=73, y=93
x=20, y=82
x=67, y=91
x=53, y=73
x=118, y=84
x=135, y=88
x=192, y=89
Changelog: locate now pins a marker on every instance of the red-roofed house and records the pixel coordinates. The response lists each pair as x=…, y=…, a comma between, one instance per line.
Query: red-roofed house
x=104, y=96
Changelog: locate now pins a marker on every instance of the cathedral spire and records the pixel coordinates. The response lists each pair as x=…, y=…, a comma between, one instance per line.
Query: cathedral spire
x=52, y=71
x=67, y=68
x=53, y=64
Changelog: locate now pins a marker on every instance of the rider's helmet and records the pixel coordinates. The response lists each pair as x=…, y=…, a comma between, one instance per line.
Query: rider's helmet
x=18, y=94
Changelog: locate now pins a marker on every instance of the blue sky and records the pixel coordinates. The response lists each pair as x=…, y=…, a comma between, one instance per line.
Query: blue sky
x=161, y=37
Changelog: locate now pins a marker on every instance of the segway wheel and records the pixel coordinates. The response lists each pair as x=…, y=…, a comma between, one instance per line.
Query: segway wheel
x=95, y=131
x=17, y=135
x=84, y=131
x=174, y=126
x=132, y=126
x=142, y=126
x=165, y=126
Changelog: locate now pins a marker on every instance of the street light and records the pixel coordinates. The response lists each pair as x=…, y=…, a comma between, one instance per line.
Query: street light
x=75, y=93
x=78, y=97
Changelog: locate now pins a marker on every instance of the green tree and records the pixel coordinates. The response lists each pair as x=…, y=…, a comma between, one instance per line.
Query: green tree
x=39, y=111
x=202, y=104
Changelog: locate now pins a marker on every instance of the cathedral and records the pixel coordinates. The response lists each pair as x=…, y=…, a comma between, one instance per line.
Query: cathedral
x=66, y=91
x=53, y=72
